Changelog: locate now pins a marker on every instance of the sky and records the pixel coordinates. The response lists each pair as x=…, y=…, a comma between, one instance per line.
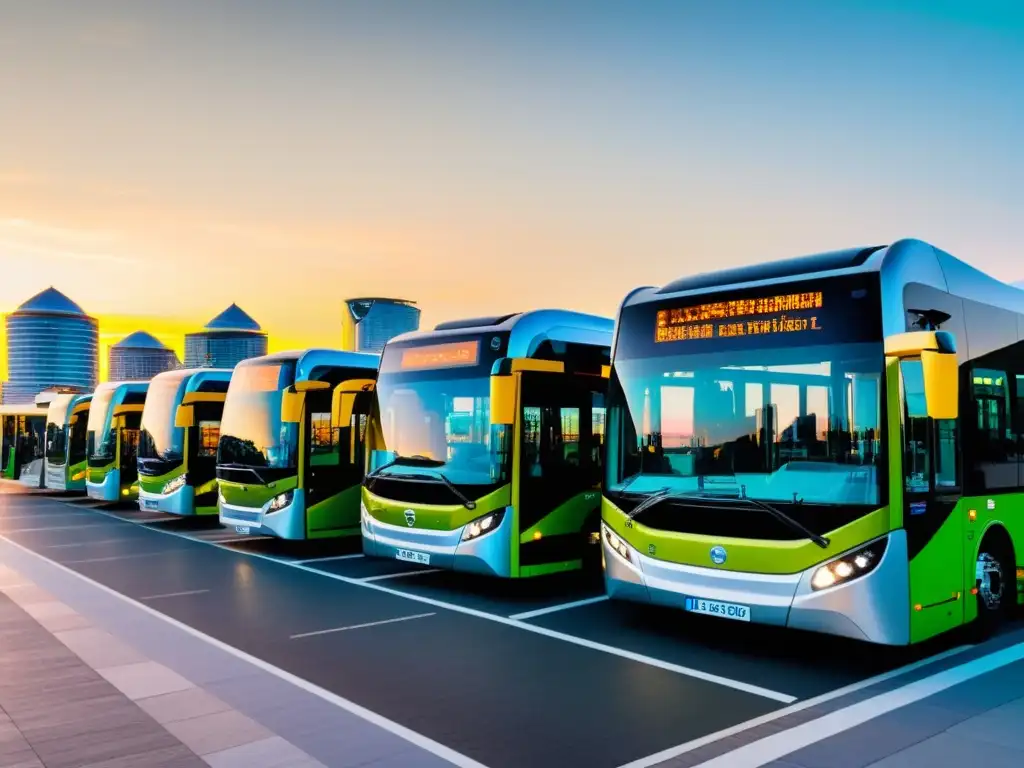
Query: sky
x=160, y=160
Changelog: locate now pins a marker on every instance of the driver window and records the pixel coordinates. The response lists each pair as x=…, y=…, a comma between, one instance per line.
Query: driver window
x=916, y=455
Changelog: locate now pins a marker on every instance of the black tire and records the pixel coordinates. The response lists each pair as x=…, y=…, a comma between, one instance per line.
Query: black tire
x=996, y=581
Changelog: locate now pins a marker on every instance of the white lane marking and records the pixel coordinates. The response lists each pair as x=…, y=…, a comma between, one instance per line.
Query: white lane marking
x=89, y=543
x=417, y=739
x=175, y=594
x=673, y=752
x=786, y=742
x=232, y=540
x=329, y=559
x=534, y=628
x=121, y=557
x=52, y=528
x=400, y=575
x=361, y=626
x=557, y=608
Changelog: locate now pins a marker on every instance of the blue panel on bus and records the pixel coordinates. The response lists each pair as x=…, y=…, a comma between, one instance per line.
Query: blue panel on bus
x=918, y=507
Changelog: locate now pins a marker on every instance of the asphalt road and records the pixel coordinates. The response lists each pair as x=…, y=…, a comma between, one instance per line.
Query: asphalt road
x=541, y=673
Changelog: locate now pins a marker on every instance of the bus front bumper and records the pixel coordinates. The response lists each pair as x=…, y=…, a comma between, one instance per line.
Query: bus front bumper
x=289, y=522
x=177, y=502
x=873, y=608
x=488, y=554
x=108, y=489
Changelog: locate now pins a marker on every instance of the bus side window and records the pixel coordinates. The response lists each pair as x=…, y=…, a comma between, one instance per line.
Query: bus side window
x=916, y=449
x=208, y=436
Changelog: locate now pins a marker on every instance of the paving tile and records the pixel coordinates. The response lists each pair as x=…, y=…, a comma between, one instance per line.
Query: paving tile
x=182, y=705
x=99, y=649
x=353, y=747
x=215, y=733
x=168, y=757
x=947, y=751
x=1003, y=725
x=29, y=595
x=146, y=679
x=111, y=704
x=100, y=746
x=46, y=610
x=414, y=758
x=273, y=752
x=103, y=717
x=65, y=623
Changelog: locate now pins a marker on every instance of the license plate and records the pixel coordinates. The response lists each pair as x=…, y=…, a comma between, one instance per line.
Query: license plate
x=716, y=608
x=413, y=557
x=242, y=529
x=150, y=504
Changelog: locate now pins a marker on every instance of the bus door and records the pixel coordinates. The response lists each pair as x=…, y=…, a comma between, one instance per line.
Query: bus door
x=128, y=446
x=931, y=491
x=202, y=452
x=562, y=422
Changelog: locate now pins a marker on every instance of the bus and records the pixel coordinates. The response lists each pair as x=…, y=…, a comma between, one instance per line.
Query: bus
x=485, y=449
x=291, y=454
x=115, y=415
x=23, y=429
x=66, y=457
x=830, y=443
x=177, y=459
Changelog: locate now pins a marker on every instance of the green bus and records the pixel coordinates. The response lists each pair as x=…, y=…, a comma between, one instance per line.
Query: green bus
x=177, y=460
x=115, y=415
x=291, y=455
x=485, y=449
x=66, y=443
x=830, y=443
x=23, y=430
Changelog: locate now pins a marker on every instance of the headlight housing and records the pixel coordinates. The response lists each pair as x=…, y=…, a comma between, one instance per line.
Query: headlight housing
x=852, y=565
x=617, y=544
x=175, y=483
x=280, y=501
x=482, y=525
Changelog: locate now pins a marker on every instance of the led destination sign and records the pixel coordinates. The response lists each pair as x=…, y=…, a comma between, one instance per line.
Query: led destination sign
x=731, y=318
x=450, y=355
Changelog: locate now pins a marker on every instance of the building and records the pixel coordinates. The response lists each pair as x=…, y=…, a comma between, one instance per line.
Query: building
x=51, y=342
x=367, y=324
x=228, y=339
x=139, y=357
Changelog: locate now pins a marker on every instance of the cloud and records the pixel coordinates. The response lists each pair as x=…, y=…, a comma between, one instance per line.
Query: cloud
x=28, y=239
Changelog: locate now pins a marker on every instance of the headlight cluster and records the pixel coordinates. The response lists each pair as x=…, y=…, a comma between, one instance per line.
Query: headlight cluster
x=617, y=544
x=175, y=483
x=482, y=525
x=280, y=501
x=850, y=566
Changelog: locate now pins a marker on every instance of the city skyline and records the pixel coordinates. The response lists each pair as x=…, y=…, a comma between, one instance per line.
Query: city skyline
x=470, y=158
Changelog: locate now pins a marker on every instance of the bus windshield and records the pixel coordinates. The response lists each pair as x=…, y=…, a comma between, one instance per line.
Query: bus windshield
x=102, y=440
x=56, y=430
x=159, y=438
x=251, y=431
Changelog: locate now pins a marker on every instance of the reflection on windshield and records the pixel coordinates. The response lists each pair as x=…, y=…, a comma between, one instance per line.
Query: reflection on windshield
x=102, y=440
x=443, y=423
x=160, y=439
x=56, y=430
x=251, y=431
x=794, y=424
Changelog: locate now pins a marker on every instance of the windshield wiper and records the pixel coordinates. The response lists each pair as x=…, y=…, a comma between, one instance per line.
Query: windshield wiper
x=782, y=517
x=374, y=474
x=466, y=501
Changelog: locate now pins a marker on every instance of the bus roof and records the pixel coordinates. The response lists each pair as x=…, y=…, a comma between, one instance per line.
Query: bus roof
x=528, y=330
x=904, y=261
x=22, y=410
x=314, y=359
x=127, y=386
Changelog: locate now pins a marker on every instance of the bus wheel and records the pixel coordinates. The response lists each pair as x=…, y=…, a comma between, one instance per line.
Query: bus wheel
x=996, y=580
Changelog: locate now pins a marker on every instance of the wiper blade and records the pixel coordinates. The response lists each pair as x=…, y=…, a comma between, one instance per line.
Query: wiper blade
x=466, y=501
x=650, y=501
x=376, y=473
x=782, y=517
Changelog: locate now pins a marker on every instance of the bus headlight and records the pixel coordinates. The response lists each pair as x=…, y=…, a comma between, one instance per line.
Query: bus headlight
x=483, y=525
x=175, y=483
x=850, y=566
x=617, y=544
x=280, y=501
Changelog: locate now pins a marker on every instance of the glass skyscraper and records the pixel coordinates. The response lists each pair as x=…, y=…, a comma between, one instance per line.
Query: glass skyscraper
x=51, y=343
x=370, y=323
x=228, y=339
x=139, y=357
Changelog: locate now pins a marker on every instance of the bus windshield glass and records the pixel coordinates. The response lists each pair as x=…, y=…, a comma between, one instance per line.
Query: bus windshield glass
x=159, y=438
x=56, y=430
x=778, y=398
x=102, y=440
x=434, y=401
x=251, y=431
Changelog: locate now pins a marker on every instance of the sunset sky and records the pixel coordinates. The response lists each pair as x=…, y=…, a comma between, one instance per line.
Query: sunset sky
x=159, y=160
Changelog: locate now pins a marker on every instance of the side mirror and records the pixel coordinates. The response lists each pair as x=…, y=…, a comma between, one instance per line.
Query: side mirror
x=291, y=407
x=503, y=399
x=184, y=416
x=941, y=384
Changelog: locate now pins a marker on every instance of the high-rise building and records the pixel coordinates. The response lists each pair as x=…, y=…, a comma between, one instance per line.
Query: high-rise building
x=228, y=339
x=139, y=357
x=51, y=342
x=367, y=324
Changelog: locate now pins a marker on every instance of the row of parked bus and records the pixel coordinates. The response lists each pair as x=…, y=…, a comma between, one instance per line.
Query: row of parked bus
x=794, y=443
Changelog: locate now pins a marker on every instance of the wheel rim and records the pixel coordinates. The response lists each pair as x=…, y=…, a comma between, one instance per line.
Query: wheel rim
x=990, y=581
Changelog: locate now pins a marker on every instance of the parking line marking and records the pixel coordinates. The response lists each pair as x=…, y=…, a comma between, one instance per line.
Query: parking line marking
x=417, y=739
x=535, y=628
x=400, y=575
x=786, y=742
x=328, y=559
x=672, y=752
x=361, y=626
x=120, y=557
x=87, y=543
x=175, y=594
x=557, y=608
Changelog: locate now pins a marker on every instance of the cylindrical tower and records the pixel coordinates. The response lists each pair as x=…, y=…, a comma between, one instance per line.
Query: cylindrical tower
x=367, y=324
x=228, y=339
x=51, y=342
x=139, y=357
